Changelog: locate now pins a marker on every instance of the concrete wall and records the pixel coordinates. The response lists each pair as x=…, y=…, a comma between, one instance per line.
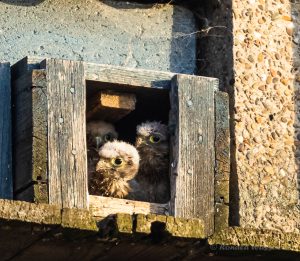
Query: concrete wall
x=252, y=46
x=123, y=34
x=266, y=113
x=254, y=49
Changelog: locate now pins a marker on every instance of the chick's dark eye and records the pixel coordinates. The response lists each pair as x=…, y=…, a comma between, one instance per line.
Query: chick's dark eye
x=118, y=161
x=154, y=139
x=108, y=137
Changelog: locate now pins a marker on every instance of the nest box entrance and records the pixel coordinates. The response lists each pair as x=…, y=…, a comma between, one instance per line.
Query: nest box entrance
x=55, y=99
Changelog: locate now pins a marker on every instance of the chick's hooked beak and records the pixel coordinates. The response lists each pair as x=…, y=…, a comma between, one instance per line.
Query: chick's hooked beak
x=141, y=141
x=98, y=142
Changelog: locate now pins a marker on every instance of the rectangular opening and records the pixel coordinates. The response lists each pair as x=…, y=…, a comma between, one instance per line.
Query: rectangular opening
x=199, y=130
x=129, y=107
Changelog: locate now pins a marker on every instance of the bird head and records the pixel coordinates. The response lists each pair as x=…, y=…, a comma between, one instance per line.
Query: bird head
x=100, y=132
x=152, y=135
x=118, y=160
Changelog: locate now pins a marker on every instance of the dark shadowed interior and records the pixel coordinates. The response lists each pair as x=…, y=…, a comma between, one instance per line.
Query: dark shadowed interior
x=152, y=104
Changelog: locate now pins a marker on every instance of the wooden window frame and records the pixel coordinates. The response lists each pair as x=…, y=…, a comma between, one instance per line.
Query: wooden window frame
x=199, y=164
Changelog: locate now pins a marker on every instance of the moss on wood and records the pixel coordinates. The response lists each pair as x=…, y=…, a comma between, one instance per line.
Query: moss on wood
x=221, y=216
x=124, y=223
x=28, y=212
x=177, y=227
x=81, y=220
x=78, y=218
x=145, y=224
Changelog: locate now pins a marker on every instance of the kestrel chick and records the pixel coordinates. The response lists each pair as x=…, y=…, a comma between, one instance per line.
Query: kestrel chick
x=98, y=133
x=118, y=164
x=152, y=143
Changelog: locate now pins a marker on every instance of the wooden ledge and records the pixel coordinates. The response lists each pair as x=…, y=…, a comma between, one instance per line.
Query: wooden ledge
x=44, y=214
x=29, y=212
x=105, y=206
x=83, y=220
x=80, y=219
x=158, y=224
x=176, y=227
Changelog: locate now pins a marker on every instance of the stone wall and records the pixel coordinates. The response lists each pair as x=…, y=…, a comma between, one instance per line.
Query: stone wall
x=266, y=120
x=261, y=74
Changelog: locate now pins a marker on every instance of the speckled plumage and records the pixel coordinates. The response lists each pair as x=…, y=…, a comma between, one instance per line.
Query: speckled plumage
x=152, y=143
x=109, y=178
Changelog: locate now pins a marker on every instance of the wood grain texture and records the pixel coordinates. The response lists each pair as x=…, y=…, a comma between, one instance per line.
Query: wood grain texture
x=192, y=121
x=119, y=75
x=221, y=216
x=127, y=76
x=39, y=126
x=30, y=132
x=110, y=106
x=29, y=212
x=222, y=170
x=105, y=206
x=117, y=100
x=177, y=227
x=115, y=74
x=67, y=161
x=6, y=187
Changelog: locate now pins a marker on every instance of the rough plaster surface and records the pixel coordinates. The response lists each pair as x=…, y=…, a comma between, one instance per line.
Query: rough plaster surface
x=253, y=47
x=150, y=37
x=266, y=57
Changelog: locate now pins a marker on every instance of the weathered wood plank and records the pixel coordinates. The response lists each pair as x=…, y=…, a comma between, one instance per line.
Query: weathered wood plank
x=192, y=119
x=164, y=225
x=110, y=106
x=28, y=212
x=113, y=99
x=118, y=74
x=30, y=132
x=127, y=76
x=177, y=227
x=105, y=206
x=222, y=170
x=67, y=161
x=221, y=216
x=121, y=75
x=6, y=187
x=39, y=122
x=78, y=218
